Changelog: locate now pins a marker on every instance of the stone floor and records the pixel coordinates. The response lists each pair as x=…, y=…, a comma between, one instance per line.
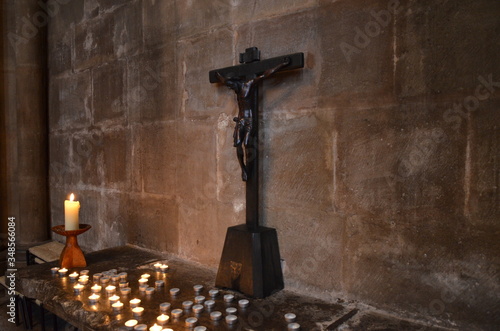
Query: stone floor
x=264, y=314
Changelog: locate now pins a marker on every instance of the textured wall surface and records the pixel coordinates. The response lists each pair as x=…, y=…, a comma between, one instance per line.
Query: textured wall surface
x=380, y=157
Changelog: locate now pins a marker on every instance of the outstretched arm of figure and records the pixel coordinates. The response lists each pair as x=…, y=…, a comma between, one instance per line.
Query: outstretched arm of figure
x=269, y=72
x=221, y=78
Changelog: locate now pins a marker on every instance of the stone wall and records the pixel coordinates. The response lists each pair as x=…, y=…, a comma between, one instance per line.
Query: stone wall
x=380, y=158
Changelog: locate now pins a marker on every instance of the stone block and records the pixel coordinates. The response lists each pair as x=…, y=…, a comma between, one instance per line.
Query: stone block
x=196, y=157
x=241, y=12
x=112, y=223
x=198, y=16
x=59, y=57
x=356, y=55
x=154, y=223
x=199, y=98
x=293, y=90
x=94, y=42
x=111, y=5
x=441, y=49
x=160, y=24
x=127, y=34
x=158, y=159
x=90, y=213
x=69, y=101
x=61, y=169
x=117, y=158
x=64, y=14
x=109, y=97
x=87, y=157
x=297, y=163
x=313, y=263
x=153, y=91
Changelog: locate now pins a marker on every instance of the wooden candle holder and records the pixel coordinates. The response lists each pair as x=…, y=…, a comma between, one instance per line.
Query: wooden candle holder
x=72, y=255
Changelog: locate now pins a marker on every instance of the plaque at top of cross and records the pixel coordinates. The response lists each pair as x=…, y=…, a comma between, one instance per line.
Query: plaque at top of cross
x=244, y=80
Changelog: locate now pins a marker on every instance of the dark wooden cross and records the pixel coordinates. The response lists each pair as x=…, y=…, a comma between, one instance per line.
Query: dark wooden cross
x=244, y=80
x=250, y=260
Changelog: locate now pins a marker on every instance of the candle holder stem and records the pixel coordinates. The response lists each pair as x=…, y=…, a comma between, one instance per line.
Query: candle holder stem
x=72, y=255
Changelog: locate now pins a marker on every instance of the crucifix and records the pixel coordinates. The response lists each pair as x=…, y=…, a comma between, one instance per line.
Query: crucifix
x=250, y=260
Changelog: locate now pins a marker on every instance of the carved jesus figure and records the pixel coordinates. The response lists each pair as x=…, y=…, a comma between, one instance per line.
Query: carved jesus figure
x=243, y=128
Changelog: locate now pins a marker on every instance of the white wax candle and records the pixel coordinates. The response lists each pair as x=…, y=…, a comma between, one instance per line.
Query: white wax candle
x=117, y=306
x=155, y=327
x=96, y=288
x=134, y=302
x=162, y=319
x=137, y=311
x=71, y=209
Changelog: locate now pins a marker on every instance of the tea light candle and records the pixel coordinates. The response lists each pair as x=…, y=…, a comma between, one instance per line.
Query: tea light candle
x=191, y=321
x=83, y=280
x=73, y=276
x=162, y=319
x=157, y=266
x=164, y=307
x=62, y=271
x=125, y=290
x=231, y=319
x=123, y=275
x=135, y=303
x=104, y=279
x=215, y=315
x=123, y=284
x=155, y=327
x=115, y=278
x=209, y=304
x=200, y=328
x=198, y=309
x=290, y=317
x=138, y=311
x=141, y=327
x=54, y=270
x=112, y=271
x=213, y=293
x=111, y=289
x=187, y=304
x=71, y=210
x=199, y=299
x=159, y=283
x=293, y=326
x=198, y=288
x=231, y=310
x=174, y=291
x=96, y=288
x=176, y=313
x=114, y=299
x=130, y=324
x=143, y=281
x=164, y=267
x=78, y=288
x=143, y=288
x=243, y=303
x=84, y=272
x=117, y=306
x=228, y=298
x=97, y=276
x=150, y=290
x=145, y=276
x=94, y=297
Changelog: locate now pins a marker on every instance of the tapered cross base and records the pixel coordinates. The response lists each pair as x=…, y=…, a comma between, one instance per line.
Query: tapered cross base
x=250, y=261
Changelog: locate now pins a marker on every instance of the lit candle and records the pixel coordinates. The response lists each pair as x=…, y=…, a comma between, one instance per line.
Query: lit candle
x=137, y=311
x=54, y=270
x=117, y=306
x=62, y=271
x=110, y=289
x=71, y=209
x=145, y=276
x=162, y=319
x=114, y=299
x=155, y=327
x=134, y=302
x=72, y=276
x=94, y=297
x=96, y=288
x=78, y=288
x=164, y=267
x=130, y=324
x=157, y=266
x=143, y=281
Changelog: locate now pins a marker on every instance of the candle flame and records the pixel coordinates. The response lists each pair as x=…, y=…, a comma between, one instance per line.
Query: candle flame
x=71, y=197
